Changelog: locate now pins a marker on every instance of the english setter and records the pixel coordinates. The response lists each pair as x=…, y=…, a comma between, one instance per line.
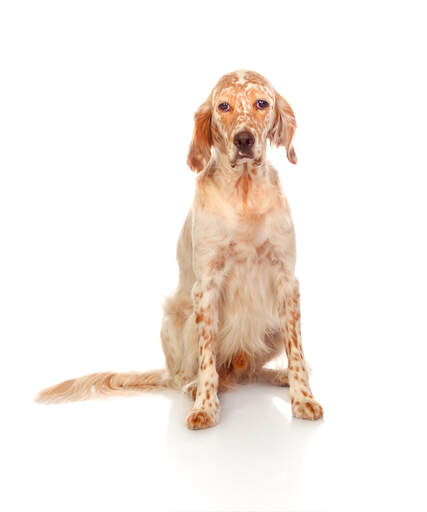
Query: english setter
x=236, y=306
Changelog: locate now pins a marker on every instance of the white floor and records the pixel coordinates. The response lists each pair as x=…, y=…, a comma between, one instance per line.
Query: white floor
x=136, y=454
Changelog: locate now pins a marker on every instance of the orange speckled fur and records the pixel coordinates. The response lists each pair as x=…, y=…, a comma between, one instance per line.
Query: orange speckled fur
x=236, y=306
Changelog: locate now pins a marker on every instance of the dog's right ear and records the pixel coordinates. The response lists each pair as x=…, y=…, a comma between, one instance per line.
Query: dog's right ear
x=201, y=143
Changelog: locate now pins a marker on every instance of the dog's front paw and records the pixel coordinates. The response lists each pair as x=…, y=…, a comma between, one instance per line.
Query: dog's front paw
x=307, y=409
x=201, y=418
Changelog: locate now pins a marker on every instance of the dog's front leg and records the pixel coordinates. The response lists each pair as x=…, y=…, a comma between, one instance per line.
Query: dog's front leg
x=205, y=411
x=303, y=403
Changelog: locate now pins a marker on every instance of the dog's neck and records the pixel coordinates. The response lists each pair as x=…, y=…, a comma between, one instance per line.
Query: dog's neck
x=248, y=186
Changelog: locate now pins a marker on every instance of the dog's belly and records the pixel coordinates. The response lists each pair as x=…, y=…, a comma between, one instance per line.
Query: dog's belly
x=247, y=312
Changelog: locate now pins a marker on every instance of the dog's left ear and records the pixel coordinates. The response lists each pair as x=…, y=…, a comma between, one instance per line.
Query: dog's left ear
x=284, y=126
x=201, y=143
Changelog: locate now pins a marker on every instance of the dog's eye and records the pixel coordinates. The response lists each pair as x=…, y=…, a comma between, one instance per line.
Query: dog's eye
x=261, y=104
x=224, y=107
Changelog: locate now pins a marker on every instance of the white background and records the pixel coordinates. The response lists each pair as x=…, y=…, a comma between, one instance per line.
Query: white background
x=96, y=106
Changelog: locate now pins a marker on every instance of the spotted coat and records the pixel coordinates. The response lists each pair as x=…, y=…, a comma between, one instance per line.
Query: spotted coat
x=236, y=306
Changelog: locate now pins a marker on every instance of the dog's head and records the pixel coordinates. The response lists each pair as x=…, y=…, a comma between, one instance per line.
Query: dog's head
x=242, y=112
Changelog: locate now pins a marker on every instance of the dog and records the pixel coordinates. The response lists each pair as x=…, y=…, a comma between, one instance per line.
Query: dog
x=237, y=304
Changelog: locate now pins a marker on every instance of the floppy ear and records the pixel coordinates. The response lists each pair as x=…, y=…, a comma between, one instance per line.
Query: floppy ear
x=201, y=143
x=283, y=129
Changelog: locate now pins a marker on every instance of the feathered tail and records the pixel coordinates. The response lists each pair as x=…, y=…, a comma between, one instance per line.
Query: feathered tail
x=102, y=384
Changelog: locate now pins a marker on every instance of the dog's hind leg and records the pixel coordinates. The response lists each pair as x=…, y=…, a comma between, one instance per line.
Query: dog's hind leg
x=271, y=376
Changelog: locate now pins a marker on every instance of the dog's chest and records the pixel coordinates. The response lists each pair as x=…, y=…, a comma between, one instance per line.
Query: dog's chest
x=247, y=307
x=260, y=247
x=252, y=271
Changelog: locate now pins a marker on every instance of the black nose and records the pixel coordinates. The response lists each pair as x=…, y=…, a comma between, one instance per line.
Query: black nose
x=244, y=142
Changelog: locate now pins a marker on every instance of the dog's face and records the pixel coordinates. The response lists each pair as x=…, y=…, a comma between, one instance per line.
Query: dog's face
x=241, y=114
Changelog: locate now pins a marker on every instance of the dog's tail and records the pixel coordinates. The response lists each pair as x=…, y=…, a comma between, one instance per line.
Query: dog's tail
x=103, y=384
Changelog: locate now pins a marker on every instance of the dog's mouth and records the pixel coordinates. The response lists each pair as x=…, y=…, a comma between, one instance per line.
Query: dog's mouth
x=240, y=156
